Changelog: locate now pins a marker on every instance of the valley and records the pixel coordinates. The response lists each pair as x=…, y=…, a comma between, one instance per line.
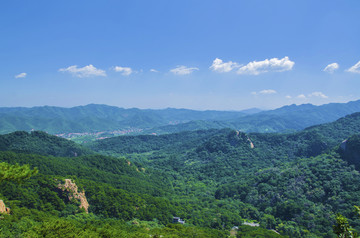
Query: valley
x=214, y=179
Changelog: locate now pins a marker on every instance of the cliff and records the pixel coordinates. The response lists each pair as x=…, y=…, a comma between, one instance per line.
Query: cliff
x=73, y=193
x=3, y=208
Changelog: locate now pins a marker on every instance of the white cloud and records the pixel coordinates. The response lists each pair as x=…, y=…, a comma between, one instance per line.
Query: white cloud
x=288, y=96
x=183, y=70
x=302, y=96
x=268, y=65
x=22, y=75
x=355, y=68
x=318, y=94
x=154, y=70
x=84, y=72
x=219, y=66
x=126, y=71
x=331, y=68
x=265, y=91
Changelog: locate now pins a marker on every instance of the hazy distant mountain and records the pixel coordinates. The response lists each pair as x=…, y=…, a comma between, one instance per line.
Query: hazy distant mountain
x=96, y=118
x=294, y=117
x=252, y=111
x=189, y=126
x=284, y=119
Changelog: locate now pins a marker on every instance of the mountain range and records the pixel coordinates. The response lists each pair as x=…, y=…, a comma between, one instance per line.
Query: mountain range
x=214, y=179
x=94, y=118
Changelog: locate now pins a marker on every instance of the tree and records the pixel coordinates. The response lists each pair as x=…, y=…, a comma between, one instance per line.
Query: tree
x=342, y=228
x=15, y=172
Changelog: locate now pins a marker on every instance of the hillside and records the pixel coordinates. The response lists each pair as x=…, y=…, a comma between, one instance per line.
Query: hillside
x=293, y=117
x=188, y=126
x=285, y=119
x=147, y=143
x=215, y=179
x=96, y=118
x=260, y=175
x=38, y=142
x=116, y=189
x=41, y=143
x=311, y=141
x=350, y=150
x=124, y=201
x=99, y=121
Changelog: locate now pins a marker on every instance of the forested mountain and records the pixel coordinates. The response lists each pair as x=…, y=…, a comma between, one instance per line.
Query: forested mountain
x=102, y=118
x=350, y=150
x=94, y=118
x=148, y=143
x=294, y=117
x=294, y=183
x=126, y=199
x=274, y=169
x=189, y=126
x=123, y=201
x=285, y=119
x=311, y=141
x=38, y=142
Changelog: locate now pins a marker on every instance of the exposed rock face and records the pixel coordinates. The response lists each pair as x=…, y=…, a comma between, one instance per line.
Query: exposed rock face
x=3, y=208
x=75, y=194
x=251, y=144
x=251, y=224
x=350, y=150
x=343, y=145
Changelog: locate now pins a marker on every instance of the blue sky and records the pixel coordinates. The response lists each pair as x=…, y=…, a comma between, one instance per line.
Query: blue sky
x=225, y=55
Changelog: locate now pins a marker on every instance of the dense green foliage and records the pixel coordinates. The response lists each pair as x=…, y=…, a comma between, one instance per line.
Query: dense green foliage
x=47, y=208
x=306, y=191
x=41, y=143
x=115, y=188
x=225, y=154
x=277, y=182
x=15, y=172
x=116, y=172
x=147, y=143
x=310, y=142
x=25, y=222
x=257, y=232
x=343, y=229
x=215, y=179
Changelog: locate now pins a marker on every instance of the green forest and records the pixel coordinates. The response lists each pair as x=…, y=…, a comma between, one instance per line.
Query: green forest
x=222, y=182
x=110, y=120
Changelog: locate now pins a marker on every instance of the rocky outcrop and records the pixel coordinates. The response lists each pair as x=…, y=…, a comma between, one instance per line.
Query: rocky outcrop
x=73, y=193
x=3, y=208
x=350, y=150
x=251, y=144
x=343, y=145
